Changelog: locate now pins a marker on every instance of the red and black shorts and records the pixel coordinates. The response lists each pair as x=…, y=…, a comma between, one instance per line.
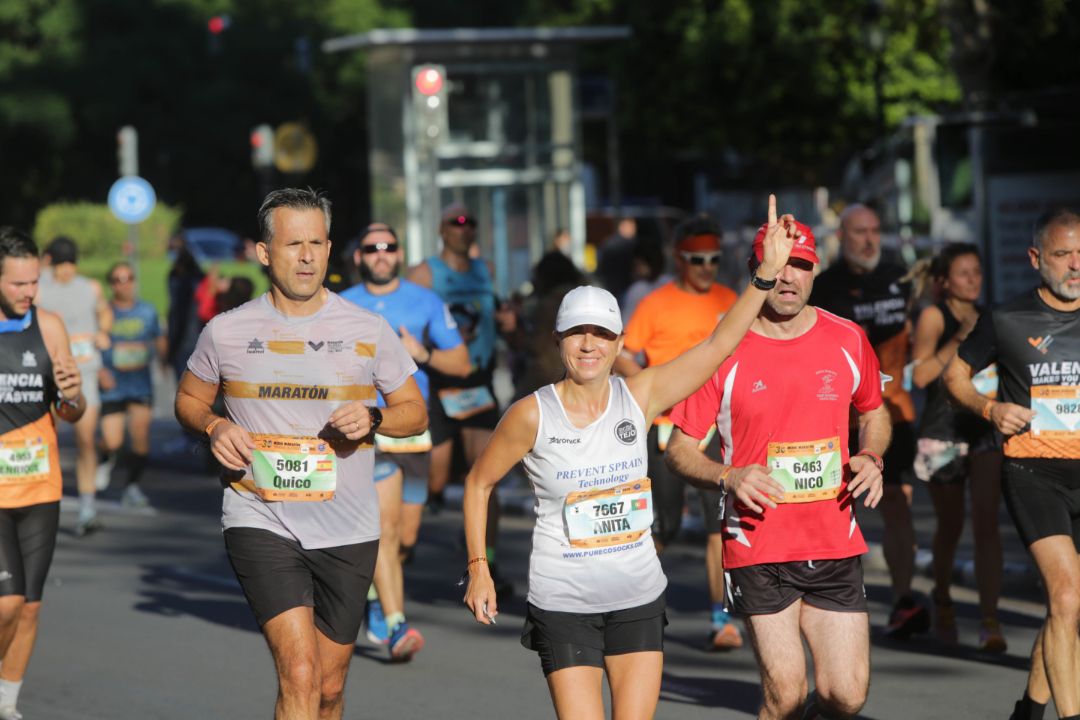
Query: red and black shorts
x=835, y=585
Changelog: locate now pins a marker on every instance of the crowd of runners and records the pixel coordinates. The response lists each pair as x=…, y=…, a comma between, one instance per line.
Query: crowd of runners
x=787, y=405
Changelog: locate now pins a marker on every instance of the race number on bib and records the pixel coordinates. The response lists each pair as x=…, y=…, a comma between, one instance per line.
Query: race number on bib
x=610, y=516
x=464, y=403
x=809, y=471
x=1057, y=410
x=128, y=356
x=83, y=348
x=293, y=469
x=414, y=444
x=23, y=462
x=986, y=381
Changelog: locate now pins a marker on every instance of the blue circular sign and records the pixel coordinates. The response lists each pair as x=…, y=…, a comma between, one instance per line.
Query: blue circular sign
x=131, y=199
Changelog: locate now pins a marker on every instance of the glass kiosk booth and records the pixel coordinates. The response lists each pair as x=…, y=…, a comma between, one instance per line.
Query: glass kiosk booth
x=488, y=118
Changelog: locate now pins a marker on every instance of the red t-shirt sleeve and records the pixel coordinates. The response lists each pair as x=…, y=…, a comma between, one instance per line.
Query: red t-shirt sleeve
x=867, y=396
x=697, y=413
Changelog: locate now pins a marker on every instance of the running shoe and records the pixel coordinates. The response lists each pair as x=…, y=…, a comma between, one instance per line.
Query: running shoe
x=405, y=642
x=134, y=497
x=727, y=637
x=990, y=638
x=103, y=474
x=377, y=632
x=436, y=502
x=407, y=553
x=8, y=712
x=88, y=523
x=945, y=624
x=906, y=619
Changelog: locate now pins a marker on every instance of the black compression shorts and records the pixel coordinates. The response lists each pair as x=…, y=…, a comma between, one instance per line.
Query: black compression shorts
x=567, y=639
x=27, y=541
x=1043, y=497
x=277, y=574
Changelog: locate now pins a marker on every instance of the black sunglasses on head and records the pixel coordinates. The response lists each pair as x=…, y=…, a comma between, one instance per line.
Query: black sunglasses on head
x=462, y=221
x=391, y=247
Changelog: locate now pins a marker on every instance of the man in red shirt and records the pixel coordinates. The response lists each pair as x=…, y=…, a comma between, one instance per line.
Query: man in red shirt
x=666, y=323
x=781, y=405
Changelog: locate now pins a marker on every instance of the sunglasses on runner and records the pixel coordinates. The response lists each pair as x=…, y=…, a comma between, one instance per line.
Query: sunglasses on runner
x=701, y=258
x=391, y=247
x=462, y=221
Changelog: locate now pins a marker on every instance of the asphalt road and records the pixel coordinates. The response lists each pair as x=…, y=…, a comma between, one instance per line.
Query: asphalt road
x=144, y=620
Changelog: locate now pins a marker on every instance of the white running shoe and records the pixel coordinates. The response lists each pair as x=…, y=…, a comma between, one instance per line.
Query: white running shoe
x=8, y=712
x=133, y=497
x=102, y=477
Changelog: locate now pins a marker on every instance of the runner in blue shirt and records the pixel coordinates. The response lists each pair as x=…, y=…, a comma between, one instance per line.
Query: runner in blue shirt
x=429, y=333
x=125, y=379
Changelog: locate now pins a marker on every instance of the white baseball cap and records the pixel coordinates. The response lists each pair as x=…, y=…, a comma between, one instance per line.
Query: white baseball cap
x=588, y=305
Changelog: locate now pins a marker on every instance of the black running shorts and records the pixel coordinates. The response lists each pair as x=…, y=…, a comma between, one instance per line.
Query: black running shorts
x=566, y=639
x=1043, y=497
x=835, y=585
x=277, y=574
x=27, y=541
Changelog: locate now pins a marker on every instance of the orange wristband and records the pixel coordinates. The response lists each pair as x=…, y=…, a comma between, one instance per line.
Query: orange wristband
x=213, y=424
x=987, y=408
x=476, y=560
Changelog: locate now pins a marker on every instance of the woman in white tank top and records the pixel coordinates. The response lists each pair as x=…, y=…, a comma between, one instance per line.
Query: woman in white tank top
x=593, y=571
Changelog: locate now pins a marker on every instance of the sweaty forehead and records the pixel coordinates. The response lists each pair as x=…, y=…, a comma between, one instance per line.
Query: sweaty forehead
x=1063, y=236
x=19, y=269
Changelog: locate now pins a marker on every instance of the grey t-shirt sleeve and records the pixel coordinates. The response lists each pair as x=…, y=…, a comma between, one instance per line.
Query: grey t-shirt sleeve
x=393, y=364
x=203, y=362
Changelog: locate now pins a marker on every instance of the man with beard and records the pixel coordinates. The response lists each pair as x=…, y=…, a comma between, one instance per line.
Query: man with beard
x=863, y=288
x=1035, y=341
x=402, y=465
x=37, y=375
x=782, y=405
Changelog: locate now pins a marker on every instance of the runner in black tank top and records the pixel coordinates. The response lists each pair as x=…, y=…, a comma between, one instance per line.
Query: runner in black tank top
x=36, y=373
x=955, y=445
x=1035, y=340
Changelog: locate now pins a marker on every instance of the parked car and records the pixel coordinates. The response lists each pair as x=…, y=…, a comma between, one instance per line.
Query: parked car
x=211, y=244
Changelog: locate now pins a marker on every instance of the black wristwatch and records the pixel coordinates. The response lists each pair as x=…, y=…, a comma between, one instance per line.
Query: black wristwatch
x=376, y=418
x=761, y=284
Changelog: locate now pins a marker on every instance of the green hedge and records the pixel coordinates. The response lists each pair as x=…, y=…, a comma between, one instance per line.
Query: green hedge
x=100, y=235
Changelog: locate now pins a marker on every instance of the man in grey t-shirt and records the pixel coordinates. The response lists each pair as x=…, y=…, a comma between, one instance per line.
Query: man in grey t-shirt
x=300, y=369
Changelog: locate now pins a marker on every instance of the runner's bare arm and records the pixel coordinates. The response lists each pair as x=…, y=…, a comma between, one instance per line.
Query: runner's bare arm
x=928, y=363
x=875, y=432
x=420, y=273
x=752, y=484
x=104, y=315
x=512, y=440
x=405, y=415
x=230, y=443
x=659, y=387
x=1008, y=418
x=451, y=361
x=71, y=404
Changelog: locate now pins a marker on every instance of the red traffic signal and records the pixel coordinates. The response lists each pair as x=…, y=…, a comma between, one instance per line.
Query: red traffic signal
x=218, y=24
x=429, y=81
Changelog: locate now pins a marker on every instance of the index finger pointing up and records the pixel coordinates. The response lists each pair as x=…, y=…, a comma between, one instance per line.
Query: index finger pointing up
x=772, y=209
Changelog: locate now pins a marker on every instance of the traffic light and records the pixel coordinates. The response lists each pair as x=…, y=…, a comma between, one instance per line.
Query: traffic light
x=127, y=151
x=429, y=103
x=218, y=24
x=262, y=146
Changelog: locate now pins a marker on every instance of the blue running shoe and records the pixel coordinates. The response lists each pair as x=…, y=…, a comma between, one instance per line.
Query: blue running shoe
x=377, y=632
x=404, y=643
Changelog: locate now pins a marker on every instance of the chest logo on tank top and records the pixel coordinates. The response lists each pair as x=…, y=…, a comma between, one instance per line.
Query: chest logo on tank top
x=626, y=432
x=827, y=391
x=255, y=347
x=1042, y=344
x=28, y=359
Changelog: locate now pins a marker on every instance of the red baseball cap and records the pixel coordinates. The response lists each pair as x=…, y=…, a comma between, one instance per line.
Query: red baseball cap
x=805, y=247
